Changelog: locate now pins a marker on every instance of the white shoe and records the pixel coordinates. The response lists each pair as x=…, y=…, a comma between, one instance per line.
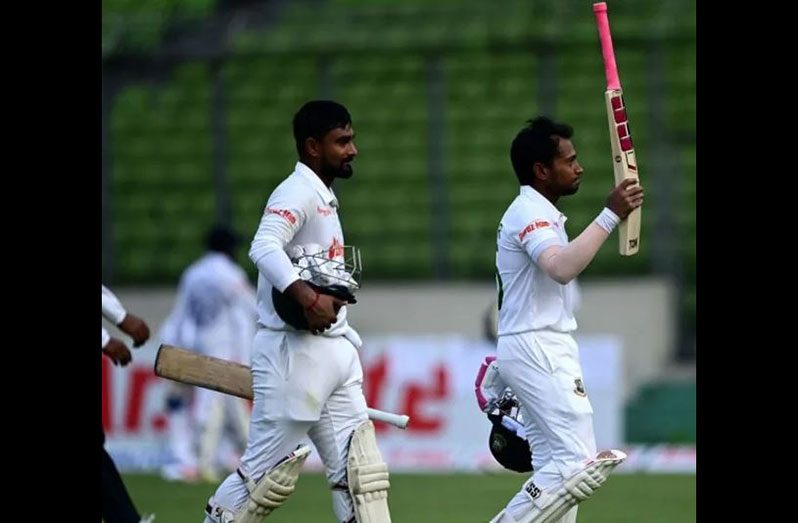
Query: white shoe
x=148, y=519
x=209, y=475
x=177, y=472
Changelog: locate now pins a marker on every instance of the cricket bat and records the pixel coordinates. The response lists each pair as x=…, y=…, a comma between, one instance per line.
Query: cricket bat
x=623, y=151
x=228, y=377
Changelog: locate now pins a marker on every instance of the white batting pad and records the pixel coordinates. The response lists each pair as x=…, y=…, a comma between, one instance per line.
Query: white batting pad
x=367, y=476
x=550, y=506
x=273, y=488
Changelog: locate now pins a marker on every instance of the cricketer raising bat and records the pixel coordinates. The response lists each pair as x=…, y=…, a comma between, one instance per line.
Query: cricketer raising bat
x=228, y=377
x=623, y=152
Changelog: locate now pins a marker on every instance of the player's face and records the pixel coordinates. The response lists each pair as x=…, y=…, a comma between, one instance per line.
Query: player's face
x=338, y=152
x=566, y=171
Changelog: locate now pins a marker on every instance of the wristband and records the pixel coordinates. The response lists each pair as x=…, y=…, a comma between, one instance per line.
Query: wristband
x=607, y=220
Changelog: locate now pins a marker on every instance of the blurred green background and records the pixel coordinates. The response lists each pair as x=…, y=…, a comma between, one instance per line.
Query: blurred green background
x=198, y=97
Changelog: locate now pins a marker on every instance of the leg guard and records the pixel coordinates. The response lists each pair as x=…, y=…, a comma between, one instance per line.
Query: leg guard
x=367, y=477
x=570, y=516
x=548, y=507
x=272, y=490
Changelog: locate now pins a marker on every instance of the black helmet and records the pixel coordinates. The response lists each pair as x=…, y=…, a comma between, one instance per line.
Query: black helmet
x=508, y=448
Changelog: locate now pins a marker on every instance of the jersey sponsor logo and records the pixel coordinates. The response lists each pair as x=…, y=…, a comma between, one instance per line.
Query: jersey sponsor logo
x=324, y=211
x=580, y=387
x=284, y=213
x=537, y=224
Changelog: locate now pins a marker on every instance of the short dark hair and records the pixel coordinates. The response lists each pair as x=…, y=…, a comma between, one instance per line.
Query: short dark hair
x=315, y=119
x=221, y=238
x=536, y=142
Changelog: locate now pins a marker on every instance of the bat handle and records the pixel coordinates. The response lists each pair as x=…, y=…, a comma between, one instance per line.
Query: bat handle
x=607, y=52
x=397, y=420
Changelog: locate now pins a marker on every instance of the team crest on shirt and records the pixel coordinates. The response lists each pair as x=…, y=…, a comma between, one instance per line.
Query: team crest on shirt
x=580, y=387
x=336, y=250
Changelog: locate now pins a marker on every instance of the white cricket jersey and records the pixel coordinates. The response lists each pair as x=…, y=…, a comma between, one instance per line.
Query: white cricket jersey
x=214, y=311
x=300, y=211
x=112, y=310
x=529, y=299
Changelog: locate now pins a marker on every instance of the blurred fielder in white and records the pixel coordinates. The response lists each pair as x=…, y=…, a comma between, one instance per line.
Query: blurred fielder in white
x=537, y=356
x=306, y=372
x=214, y=314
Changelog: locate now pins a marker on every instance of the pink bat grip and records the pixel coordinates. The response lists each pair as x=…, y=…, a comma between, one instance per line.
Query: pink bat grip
x=603, y=23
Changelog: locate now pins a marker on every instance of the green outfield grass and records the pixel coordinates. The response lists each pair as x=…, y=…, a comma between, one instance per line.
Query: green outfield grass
x=467, y=498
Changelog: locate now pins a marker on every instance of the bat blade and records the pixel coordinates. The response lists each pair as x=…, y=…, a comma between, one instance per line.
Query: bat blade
x=624, y=165
x=208, y=372
x=229, y=377
x=624, y=162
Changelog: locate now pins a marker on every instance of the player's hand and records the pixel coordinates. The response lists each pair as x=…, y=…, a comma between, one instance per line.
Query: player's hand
x=625, y=198
x=117, y=351
x=323, y=313
x=136, y=328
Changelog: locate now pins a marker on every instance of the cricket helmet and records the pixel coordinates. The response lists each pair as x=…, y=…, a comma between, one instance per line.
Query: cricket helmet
x=334, y=271
x=507, y=440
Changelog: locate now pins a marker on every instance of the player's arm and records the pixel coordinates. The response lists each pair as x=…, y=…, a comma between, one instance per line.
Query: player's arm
x=563, y=263
x=112, y=308
x=280, y=222
x=130, y=324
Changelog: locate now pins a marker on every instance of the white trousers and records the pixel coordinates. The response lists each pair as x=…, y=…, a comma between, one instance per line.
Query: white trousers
x=303, y=385
x=543, y=369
